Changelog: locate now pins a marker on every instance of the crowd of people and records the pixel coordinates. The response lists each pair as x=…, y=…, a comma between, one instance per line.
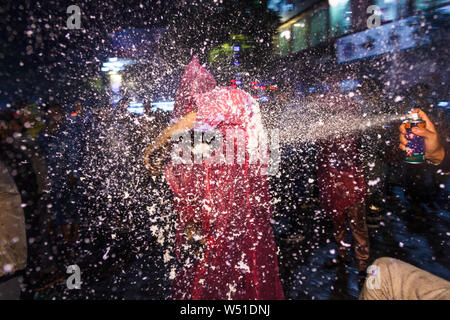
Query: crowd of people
x=83, y=192
x=81, y=181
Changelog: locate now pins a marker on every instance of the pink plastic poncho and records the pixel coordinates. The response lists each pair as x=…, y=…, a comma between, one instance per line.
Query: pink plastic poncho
x=229, y=201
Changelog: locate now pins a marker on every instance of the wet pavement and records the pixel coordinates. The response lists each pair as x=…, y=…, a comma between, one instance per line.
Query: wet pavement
x=418, y=236
x=414, y=234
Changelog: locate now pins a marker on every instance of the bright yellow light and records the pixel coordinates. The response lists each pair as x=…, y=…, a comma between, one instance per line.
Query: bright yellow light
x=299, y=24
x=115, y=81
x=115, y=77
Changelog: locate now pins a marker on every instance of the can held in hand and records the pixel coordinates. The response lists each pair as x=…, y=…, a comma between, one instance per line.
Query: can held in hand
x=415, y=149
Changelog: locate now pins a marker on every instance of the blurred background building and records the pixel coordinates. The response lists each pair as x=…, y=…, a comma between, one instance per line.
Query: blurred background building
x=319, y=38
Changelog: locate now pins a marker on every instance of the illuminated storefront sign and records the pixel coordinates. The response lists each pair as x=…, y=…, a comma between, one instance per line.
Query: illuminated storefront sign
x=116, y=64
x=387, y=38
x=137, y=107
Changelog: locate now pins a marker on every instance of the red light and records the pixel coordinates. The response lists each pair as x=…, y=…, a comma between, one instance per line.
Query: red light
x=254, y=87
x=233, y=80
x=234, y=86
x=256, y=97
x=263, y=87
x=255, y=82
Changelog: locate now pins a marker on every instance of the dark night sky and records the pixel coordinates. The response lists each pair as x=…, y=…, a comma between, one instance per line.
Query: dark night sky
x=39, y=53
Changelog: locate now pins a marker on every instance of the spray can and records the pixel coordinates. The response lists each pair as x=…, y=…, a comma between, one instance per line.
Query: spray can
x=415, y=149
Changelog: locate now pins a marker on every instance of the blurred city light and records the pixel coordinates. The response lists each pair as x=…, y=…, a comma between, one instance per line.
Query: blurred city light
x=163, y=105
x=335, y=3
x=116, y=64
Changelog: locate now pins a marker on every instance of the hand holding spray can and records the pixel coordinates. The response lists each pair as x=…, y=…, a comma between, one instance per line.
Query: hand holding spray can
x=415, y=149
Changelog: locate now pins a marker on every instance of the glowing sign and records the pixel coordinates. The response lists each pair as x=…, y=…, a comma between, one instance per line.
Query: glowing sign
x=136, y=107
x=398, y=35
x=116, y=64
x=443, y=104
x=163, y=105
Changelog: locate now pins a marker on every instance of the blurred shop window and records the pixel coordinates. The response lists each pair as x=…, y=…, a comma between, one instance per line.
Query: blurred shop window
x=427, y=4
x=284, y=38
x=392, y=9
x=340, y=17
x=319, y=27
x=300, y=35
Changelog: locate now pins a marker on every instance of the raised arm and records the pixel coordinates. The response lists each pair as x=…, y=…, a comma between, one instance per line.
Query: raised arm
x=163, y=139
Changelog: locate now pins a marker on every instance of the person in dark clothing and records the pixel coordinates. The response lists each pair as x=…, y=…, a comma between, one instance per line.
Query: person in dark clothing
x=421, y=186
x=14, y=154
x=60, y=220
x=373, y=149
x=120, y=199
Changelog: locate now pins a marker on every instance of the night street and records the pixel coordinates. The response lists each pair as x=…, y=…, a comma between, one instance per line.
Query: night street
x=419, y=237
x=224, y=150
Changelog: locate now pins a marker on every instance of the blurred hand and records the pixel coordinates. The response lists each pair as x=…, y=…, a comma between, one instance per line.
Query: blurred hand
x=434, y=151
x=153, y=160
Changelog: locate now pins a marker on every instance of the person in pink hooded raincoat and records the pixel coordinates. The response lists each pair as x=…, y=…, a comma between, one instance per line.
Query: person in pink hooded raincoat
x=221, y=195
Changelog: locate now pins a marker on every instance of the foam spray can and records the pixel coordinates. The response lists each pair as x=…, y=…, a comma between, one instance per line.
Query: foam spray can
x=415, y=149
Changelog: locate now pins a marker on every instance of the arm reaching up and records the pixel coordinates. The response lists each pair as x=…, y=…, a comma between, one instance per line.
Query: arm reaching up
x=154, y=153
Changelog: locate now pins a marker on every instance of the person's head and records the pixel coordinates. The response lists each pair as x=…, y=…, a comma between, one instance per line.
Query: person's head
x=196, y=80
